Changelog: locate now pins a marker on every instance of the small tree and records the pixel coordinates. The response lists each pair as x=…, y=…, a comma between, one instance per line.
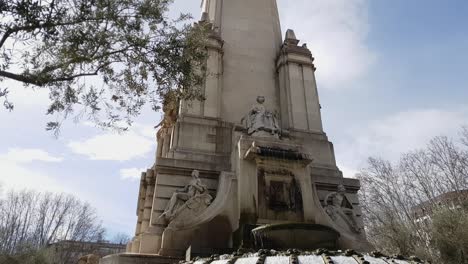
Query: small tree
x=27, y=257
x=108, y=57
x=450, y=234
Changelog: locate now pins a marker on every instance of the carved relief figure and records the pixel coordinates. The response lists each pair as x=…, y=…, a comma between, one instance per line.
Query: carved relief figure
x=194, y=195
x=259, y=119
x=340, y=209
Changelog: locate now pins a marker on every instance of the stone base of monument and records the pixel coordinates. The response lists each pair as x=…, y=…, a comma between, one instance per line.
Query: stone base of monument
x=128, y=258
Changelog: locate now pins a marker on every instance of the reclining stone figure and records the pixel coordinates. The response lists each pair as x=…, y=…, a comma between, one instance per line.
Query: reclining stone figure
x=193, y=196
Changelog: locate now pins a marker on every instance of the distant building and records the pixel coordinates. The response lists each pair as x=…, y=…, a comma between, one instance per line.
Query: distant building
x=69, y=252
x=451, y=200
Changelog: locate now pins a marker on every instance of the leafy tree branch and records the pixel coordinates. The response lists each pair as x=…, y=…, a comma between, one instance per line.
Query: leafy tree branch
x=127, y=52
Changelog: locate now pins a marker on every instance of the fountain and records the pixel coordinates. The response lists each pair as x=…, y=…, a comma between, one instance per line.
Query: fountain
x=295, y=235
x=293, y=256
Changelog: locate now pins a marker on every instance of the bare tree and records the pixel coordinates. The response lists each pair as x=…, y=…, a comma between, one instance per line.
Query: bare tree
x=464, y=136
x=400, y=199
x=32, y=220
x=121, y=238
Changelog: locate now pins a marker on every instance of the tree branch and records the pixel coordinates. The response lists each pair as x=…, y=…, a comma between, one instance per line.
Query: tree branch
x=32, y=79
x=71, y=77
x=5, y=37
x=21, y=78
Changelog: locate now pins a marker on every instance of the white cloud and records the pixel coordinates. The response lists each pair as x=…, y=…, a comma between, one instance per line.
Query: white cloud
x=348, y=172
x=145, y=130
x=18, y=155
x=336, y=32
x=132, y=174
x=17, y=175
x=396, y=134
x=112, y=146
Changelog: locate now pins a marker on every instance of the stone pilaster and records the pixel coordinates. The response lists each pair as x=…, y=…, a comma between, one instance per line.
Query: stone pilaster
x=159, y=148
x=148, y=240
x=300, y=108
x=134, y=245
x=140, y=206
x=166, y=142
x=212, y=87
x=148, y=203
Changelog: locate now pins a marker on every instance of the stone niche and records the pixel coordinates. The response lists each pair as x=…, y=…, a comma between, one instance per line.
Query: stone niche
x=283, y=186
x=280, y=196
x=273, y=172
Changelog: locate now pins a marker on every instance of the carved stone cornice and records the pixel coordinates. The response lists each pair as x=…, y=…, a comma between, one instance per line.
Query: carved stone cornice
x=268, y=152
x=291, y=47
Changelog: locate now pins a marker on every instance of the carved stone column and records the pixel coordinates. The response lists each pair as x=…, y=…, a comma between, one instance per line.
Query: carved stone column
x=300, y=108
x=150, y=181
x=166, y=142
x=141, y=202
x=212, y=86
x=134, y=245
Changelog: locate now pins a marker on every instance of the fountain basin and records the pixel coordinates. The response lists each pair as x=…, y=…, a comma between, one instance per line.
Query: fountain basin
x=295, y=235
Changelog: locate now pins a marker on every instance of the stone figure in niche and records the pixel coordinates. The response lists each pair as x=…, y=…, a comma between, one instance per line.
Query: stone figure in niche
x=259, y=119
x=340, y=210
x=193, y=197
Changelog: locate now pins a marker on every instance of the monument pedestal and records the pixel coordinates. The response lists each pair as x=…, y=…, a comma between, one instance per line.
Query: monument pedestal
x=255, y=145
x=149, y=243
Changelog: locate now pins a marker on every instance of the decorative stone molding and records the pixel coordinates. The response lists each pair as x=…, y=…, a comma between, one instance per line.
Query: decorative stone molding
x=259, y=151
x=291, y=47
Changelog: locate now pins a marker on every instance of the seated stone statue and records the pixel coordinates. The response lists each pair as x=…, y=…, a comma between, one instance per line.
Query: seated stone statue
x=340, y=210
x=193, y=196
x=259, y=119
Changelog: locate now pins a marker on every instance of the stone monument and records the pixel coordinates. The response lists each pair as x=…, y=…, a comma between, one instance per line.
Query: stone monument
x=250, y=166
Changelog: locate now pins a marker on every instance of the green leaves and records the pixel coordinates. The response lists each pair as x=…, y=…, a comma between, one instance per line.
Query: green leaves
x=6, y=103
x=130, y=49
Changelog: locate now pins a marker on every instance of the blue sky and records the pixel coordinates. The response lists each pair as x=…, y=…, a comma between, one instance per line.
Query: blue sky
x=391, y=75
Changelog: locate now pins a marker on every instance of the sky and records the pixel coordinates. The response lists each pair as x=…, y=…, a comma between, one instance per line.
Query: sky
x=391, y=75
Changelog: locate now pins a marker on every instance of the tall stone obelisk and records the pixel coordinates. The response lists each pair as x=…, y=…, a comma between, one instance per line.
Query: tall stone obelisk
x=256, y=146
x=245, y=65
x=252, y=40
